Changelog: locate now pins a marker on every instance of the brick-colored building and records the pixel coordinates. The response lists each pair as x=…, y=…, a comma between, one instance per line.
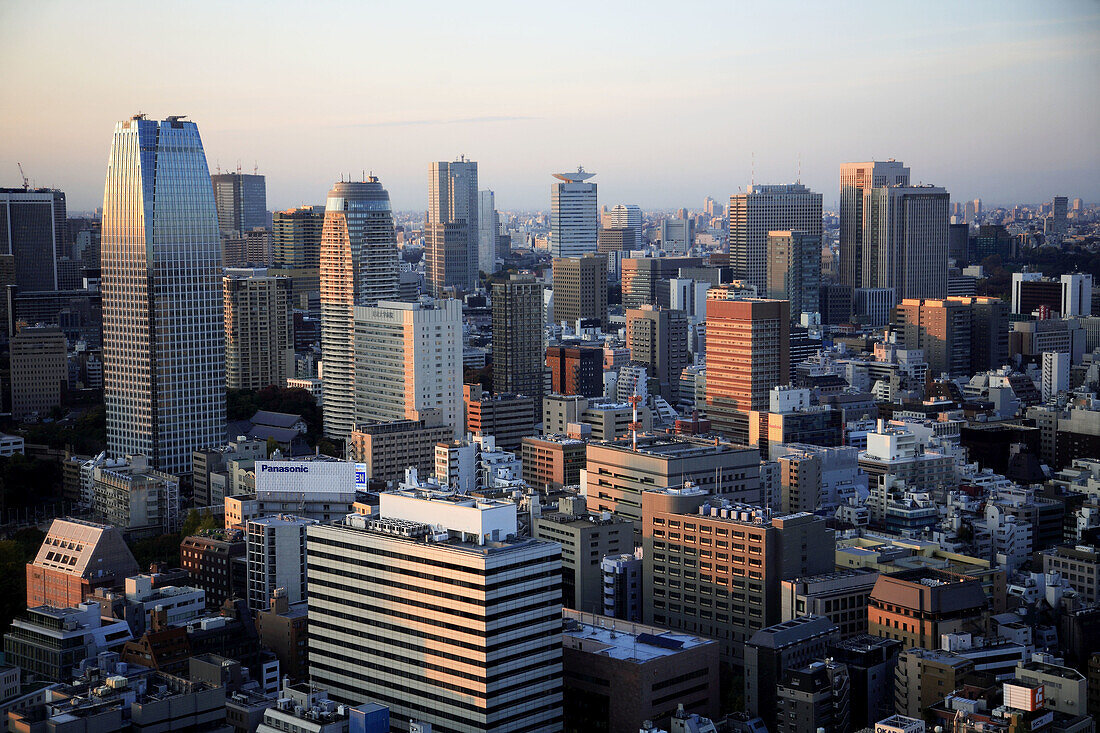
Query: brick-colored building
x=507, y=417
x=575, y=369
x=75, y=559
x=283, y=630
x=208, y=560
x=917, y=606
x=552, y=461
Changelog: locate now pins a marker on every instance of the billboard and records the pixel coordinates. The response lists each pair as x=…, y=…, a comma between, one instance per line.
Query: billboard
x=305, y=477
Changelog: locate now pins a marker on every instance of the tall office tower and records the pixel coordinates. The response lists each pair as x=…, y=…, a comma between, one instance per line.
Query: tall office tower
x=458, y=587
x=296, y=251
x=959, y=336
x=790, y=207
x=408, y=362
x=241, y=200
x=580, y=289
x=748, y=353
x=39, y=371
x=855, y=180
x=958, y=243
x=1076, y=295
x=1058, y=212
x=488, y=232
x=574, y=220
x=163, y=320
x=358, y=267
x=905, y=240
x=33, y=228
x=658, y=338
x=276, y=558
x=677, y=235
x=794, y=270
x=259, y=331
x=626, y=216
x=451, y=232
x=517, y=339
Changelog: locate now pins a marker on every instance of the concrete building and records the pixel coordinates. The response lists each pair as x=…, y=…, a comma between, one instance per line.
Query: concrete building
x=871, y=663
x=518, y=338
x=276, y=556
x=817, y=477
x=136, y=498
x=814, y=697
x=794, y=270
x=840, y=596
x=283, y=628
x=922, y=676
x=373, y=624
x=387, y=448
x=645, y=279
x=211, y=481
x=508, y=418
x=259, y=330
x=856, y=181
x=580, y=289
x=895, y=451
x=488, y=232
x=658, y=339
x=213, y=561
x=775, y=649
x=917, y=606
x=595, y=419
x=35, y=235
x=163, y=364
x=451, y=232
x=762, y=209
x=75, y=558
x=585, y=540
x=1079, y=565
x=1076, y=295
x=574, y=218
x=358, y=268
x=618, y=472
x=408, y=362
x=618, y=675
x=1065, y=690
x=39, y=371
x=737, y=590
x=575, y=369
x=1055, y=377
x=959, y=336
x=552, y=462
x=50, y=641
x=622, y=587
x=907, y=247
x=748, y=353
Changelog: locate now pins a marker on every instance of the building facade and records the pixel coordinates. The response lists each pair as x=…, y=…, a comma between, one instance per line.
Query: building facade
x=259, y=330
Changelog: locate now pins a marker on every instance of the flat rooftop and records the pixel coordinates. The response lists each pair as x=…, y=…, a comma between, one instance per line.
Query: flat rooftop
x=625, y=641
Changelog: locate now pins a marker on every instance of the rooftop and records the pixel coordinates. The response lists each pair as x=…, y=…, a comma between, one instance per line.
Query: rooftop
x=623, y=640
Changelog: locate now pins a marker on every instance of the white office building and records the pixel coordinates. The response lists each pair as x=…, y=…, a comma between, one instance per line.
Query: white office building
x=574, y=218
x=1055, y=373
x=439, y=611
x=408, y=362
x=1076, y=294
x=276, y=557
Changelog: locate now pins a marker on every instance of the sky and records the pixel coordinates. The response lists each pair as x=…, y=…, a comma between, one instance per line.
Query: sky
x=667, y=102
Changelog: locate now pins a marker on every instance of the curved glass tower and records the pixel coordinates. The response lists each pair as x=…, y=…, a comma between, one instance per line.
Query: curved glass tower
x=163, y=334
x=358, y=267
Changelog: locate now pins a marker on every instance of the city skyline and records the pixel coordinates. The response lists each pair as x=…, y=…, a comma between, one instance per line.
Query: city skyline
x=617, y=104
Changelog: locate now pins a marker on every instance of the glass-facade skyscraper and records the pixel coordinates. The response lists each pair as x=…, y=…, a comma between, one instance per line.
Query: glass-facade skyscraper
x=452, y=230
x=163, y=333
x=574, y=220
x=241, y=200
x=359, y=266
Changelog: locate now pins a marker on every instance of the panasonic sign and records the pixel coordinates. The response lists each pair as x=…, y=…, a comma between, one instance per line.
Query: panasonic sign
x=268, y=468
x=305, y=477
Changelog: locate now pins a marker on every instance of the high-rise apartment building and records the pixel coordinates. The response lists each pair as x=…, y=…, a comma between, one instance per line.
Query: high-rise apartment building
x=763, y=209
x=905, y=240
x=737, y=555
x=459, y=624
x=39, y=371
x=358, y=267
x=451, y=233
x=574, y=219
x=259, y=332
x=488, y=232
x=408, y=362
x=748, y=353
x=517, y=338
x=959, y=336
x=296, y=251
x=658, y=338
x=580, y=289
x=241, y=200
x=33, y=228
x=163, y=315
x=794, y=270
x=276, y=557
x=855, y=180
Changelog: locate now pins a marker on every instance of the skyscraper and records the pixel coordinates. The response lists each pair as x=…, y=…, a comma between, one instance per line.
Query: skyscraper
x=163, y=323
x=763, y=209
x=358, y=268
x=748, y=353
x=626, y=215
x=574, y=217
x=241, y=199
x=517, y=338
x=580, y=289
x=32, y=229
x=905, y=240
x=408, y=362
x=658, y=338
x=855, y=179
x=296, y=251
x=794, y=270
x=1058, y=212
x=451, y=232
x=488, y=230
x=259, y=332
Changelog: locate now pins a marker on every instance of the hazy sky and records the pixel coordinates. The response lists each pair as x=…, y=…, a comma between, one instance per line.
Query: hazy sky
x=666, y=101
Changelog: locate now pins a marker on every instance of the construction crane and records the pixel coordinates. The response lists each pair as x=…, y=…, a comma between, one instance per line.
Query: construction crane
x=26, y=181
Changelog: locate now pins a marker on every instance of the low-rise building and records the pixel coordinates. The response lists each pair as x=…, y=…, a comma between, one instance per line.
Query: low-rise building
x=552, y=461
x=209, y=558
x=48, y=643
x=585, y=540
x=283, y=629
x=841, y=596
x=917, y=607
x=75, y=558
x=386, y=449
x=1079, y=565
x=136, y=498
